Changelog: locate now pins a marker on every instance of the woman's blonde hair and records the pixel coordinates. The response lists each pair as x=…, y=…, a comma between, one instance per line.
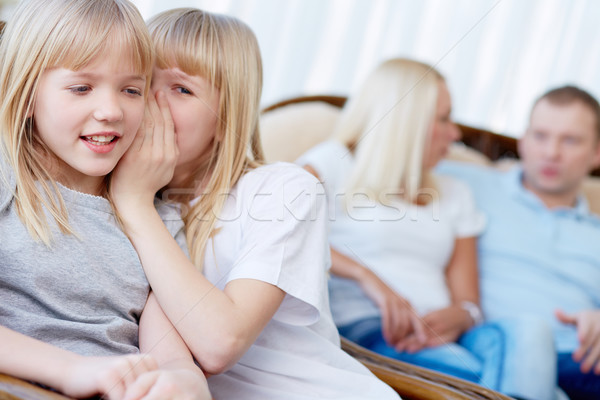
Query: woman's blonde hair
x=43, y=34
x=225, y=52
x=386, y=125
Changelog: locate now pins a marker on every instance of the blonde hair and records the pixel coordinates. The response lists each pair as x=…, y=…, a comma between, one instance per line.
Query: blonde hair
x=386, y=125
x=43, y=34
x=224, y=51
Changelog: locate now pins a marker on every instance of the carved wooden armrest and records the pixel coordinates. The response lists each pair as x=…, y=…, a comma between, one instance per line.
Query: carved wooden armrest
x=417, y=383
x=16, y=389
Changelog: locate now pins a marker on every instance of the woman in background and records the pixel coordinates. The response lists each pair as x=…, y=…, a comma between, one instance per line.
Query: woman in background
x=404, y=239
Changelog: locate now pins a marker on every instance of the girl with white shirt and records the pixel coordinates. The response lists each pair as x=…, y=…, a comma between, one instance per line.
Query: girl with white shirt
x=253, y=305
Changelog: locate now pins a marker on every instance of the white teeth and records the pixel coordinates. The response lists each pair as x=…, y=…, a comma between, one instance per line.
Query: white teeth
x=100, y=139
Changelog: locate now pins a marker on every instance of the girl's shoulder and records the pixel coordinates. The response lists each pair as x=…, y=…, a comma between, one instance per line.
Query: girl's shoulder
x=278, y=189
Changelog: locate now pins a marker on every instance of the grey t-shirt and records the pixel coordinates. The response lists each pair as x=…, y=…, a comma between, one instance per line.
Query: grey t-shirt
x=86, y=292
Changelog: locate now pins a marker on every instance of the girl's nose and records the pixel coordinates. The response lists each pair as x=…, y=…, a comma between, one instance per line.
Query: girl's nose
x=109, y=109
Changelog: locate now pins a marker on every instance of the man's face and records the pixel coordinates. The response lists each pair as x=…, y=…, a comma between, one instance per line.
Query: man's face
x=559, y=148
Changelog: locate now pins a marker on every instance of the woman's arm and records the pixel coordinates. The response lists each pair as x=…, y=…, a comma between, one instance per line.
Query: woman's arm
x=74, y=375
x=398, y=318
x=461, y=274
x=447, y=324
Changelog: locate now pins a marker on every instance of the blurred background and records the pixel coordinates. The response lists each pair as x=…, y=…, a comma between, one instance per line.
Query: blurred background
x=497, y=55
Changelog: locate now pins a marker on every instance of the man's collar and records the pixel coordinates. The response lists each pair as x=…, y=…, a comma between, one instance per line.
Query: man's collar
x=514, y=185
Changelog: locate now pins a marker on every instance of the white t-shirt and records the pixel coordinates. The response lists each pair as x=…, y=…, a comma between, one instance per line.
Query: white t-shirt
x=406, y=245
x=273, y=229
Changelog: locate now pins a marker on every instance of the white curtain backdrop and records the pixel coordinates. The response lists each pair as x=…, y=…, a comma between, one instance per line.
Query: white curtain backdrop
x=497, y=55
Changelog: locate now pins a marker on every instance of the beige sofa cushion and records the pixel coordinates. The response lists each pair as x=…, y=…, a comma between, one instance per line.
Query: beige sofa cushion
x=460, y=152
x=289, y=131
x=591, y=189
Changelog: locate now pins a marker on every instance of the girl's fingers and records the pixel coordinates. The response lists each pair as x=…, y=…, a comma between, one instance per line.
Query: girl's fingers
x=141, y=386
x=167, y=120
x=140, y=135
x=154, y=121
x=127, y=369
x=141, y=364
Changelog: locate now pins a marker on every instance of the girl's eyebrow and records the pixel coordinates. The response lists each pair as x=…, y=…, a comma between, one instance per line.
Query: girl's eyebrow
x=91, y=75
x=185, y=78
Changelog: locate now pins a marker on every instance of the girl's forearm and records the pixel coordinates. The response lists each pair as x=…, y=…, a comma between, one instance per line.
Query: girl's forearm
x=30, y=359
x=217, y=326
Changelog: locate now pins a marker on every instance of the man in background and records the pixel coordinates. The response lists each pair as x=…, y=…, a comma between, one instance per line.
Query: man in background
x=540, y=254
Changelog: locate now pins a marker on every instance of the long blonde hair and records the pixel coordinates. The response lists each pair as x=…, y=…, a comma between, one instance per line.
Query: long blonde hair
x=225, y=52
x=42, y=34
x=386, y=125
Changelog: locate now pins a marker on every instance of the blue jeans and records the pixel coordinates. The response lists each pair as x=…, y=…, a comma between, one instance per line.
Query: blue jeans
x=576, y=384
x=515, y=357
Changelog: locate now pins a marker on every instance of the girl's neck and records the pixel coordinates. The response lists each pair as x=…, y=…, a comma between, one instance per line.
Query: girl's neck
x=94, y=185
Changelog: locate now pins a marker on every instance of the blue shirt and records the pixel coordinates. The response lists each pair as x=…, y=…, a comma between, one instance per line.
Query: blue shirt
x=532, y=259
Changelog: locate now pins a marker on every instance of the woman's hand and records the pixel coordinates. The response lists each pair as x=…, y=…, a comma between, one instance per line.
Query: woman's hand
x=149, y=163
x=441, y=327
x=398, y=318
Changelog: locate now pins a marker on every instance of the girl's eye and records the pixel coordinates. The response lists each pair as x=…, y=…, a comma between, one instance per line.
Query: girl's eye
x=80, y=89
x=183, y=90
x=133, y=91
